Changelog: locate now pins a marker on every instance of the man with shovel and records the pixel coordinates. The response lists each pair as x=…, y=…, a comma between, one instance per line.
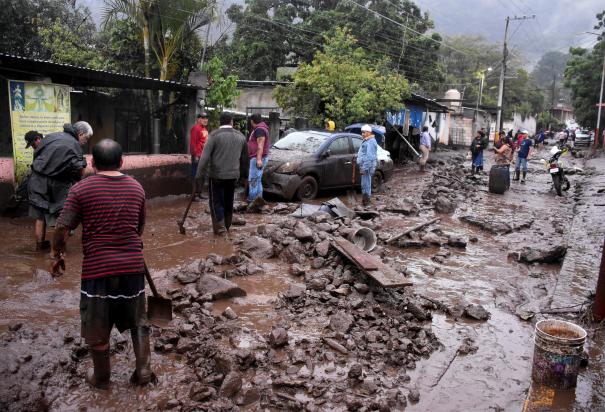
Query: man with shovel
x=111, y=208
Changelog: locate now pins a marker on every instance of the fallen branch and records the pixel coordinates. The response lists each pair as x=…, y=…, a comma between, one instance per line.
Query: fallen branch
x=413, y=229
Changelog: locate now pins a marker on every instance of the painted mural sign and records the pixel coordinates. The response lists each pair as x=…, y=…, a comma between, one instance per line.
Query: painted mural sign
x=44, y=107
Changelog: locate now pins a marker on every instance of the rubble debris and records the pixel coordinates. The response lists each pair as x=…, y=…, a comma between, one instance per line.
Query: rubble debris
x=477, y=312
x=550, y=254
x=218, y=288
x=497, y=226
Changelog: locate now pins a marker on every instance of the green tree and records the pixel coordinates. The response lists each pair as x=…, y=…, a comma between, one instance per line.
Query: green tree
x=343, y=83
x=222, y=88
x=273, y=33
x=583, y=78
x=66, y=46
x=22, y=20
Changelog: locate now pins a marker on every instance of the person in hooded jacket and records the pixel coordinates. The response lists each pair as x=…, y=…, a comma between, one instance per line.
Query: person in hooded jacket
x=366, y=159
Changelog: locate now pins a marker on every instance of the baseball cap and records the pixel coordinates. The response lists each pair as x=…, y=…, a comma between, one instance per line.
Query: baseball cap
x=366, y=128
x=31, y=136
x=202, y=114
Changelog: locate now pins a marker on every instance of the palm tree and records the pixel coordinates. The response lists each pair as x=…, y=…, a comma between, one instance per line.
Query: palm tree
x=139, y=11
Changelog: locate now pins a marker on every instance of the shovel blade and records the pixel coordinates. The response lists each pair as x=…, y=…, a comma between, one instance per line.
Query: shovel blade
x=159, y=311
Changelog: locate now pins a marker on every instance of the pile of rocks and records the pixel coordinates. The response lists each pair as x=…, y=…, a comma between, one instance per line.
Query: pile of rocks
x=450, y=186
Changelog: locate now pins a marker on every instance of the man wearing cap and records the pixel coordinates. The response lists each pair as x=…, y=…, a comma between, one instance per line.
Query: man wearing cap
x=198, y=136
x=366, y=159
x=58, y=163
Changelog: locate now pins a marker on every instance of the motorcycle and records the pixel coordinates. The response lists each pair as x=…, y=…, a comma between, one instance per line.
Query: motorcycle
x=556, y=170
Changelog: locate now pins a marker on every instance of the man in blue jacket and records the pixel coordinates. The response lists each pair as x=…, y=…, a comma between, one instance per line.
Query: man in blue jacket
x=366, y=159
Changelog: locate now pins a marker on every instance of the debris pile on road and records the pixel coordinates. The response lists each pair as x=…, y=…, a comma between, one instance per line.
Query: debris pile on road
x=450, y=186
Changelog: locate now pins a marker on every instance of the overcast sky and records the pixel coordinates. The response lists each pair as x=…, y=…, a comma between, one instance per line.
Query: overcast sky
x=558, y=25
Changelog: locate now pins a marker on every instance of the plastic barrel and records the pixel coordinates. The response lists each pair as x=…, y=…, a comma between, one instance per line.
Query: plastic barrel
x=364, y=238
x=499, y=179
x=558, y=348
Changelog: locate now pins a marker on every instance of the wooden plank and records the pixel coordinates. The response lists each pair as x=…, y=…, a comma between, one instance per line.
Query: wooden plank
x=385, y=275
x=361, y=257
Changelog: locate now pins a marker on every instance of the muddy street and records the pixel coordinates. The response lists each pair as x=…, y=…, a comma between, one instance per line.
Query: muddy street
x=273, y=317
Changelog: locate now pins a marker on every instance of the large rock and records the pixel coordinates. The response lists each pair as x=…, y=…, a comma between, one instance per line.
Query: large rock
x=258, y=247
x=477, y=312
x=218, y=288
x=295, y=290
x=444, y=205
x=303, y=232
x=231, y=385
x=341, y=322
x=548, y=254
x=322, y=248
x=278, y=337
x=293, y=253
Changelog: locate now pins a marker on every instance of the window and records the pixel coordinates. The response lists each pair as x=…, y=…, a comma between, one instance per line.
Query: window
x=340, y=146
x=357, y=141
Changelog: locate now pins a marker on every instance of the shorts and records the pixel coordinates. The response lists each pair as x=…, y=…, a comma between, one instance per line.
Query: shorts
x=42, y=214
x=108, y=301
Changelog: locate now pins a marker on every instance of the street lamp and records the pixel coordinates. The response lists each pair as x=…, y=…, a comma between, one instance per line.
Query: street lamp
x=481, y=75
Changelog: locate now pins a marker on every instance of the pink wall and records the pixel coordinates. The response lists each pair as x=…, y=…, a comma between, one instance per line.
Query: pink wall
x=160, y=175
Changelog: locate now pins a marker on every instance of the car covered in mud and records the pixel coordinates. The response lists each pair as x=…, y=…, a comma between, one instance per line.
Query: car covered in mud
x=307, y=161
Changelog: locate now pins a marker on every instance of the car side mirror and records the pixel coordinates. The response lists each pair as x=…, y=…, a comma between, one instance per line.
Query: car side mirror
x=326, y=154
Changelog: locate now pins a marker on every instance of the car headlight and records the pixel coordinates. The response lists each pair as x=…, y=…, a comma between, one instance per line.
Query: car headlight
x=288, y=167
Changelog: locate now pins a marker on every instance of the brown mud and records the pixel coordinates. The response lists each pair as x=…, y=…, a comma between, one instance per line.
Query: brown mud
x=312, y=332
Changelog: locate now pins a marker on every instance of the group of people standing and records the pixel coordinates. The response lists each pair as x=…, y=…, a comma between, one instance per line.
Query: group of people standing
x=505, y=149
x=224, y=156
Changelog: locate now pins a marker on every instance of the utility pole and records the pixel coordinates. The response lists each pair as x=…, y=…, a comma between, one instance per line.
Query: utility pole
x=597, y=138
x=499, y=118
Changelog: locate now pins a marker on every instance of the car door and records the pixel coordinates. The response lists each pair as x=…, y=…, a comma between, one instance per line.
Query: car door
x=336, y=163
x=357, y=141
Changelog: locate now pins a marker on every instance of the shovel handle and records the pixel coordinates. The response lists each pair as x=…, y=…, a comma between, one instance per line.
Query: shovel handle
x=150, y=281
x=353, y=178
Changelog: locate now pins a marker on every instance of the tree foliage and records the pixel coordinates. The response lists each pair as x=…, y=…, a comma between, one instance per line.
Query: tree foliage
x=583, y=78
x=343, y=83
x=21, y=21
x=222, y=87
x=66, y=46
x=273, y=33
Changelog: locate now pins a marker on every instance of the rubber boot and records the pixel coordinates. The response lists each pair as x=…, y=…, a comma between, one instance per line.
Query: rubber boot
x=44, y=245
x=516, y=174
x=140, y=344
x=474, y=169
x=219, y=227
x=365, y=200
x=523, y=178
x=98, y=376
x=480, y=169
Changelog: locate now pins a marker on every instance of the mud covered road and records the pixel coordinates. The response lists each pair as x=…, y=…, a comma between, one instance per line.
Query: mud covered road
x=314, y=333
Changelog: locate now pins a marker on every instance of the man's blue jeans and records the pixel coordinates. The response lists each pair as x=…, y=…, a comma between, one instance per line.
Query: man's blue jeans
x=366, y=181
x=521, y=164
x=255, y=179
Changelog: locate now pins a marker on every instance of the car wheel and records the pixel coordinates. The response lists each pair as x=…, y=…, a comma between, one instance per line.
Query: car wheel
x=376, y=181
x=308, y=188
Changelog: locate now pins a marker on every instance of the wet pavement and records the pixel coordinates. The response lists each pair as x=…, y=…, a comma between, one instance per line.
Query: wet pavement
x=497, y=376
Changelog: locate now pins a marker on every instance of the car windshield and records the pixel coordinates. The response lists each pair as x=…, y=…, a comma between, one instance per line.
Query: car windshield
x=308, y=142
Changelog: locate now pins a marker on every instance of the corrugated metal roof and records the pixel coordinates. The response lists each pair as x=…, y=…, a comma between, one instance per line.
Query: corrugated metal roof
x=84, y=76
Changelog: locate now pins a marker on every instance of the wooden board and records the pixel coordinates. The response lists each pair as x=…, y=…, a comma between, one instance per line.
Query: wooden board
x=385, y=275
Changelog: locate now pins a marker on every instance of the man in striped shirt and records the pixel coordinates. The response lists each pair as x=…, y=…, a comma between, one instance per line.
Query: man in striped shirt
x=110, y=206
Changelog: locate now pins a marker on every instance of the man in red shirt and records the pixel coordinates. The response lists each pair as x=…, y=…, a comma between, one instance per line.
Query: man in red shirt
x=197, y=139
x=110, y=206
